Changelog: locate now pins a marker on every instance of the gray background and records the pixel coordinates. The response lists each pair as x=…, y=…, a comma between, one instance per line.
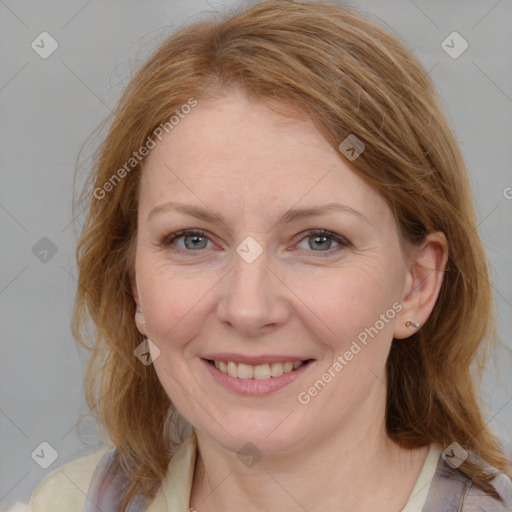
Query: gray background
x=49, y=107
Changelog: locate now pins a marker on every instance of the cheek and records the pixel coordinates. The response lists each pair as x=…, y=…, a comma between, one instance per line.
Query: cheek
x=174, y=304
x=345, y=301
x=360, y=311
x=370, y=311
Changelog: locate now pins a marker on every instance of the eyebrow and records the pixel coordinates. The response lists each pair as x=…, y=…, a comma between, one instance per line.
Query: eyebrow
x=288, y=217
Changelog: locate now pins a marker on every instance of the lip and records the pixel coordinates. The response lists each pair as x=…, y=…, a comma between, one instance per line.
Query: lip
x=256, y=387
x=254, y=360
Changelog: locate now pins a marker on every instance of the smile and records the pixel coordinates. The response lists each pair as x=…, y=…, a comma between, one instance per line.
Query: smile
x=255, y=379
x=259, y=372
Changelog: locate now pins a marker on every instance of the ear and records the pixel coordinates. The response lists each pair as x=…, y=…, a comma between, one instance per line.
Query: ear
x=423, y=283
x=140, y=321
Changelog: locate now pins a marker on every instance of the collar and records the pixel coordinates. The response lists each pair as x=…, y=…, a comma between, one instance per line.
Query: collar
x=174, y=493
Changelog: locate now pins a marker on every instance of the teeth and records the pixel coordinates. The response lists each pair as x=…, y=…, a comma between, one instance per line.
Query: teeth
x=232, y=369
x=276, y=369
x=245, y=371
x=259, y=372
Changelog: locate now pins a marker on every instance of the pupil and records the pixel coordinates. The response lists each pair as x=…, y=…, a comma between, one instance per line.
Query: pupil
x=322, y=239
x=195, y=239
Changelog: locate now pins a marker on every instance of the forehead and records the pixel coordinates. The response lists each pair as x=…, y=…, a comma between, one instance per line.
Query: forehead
x=236, y=149
x=235, y=129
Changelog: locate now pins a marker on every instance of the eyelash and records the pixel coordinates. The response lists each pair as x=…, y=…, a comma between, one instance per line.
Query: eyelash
x=343, y=242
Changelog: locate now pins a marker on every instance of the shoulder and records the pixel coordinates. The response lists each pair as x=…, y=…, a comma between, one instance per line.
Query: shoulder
x=451, y=489
x=64, y=488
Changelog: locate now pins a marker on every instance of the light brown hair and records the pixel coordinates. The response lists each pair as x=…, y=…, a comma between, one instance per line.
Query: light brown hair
x=351, y=77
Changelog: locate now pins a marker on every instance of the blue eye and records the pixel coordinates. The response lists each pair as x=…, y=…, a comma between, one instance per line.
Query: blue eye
x=322, y=239
x=194, y=240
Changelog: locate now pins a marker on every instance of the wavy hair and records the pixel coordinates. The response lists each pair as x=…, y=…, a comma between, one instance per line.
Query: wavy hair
x=350, y=76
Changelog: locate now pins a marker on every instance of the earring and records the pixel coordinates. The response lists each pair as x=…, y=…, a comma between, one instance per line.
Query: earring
x=412, y=325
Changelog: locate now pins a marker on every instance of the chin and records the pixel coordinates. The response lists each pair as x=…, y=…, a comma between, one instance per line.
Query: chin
x=266, y=438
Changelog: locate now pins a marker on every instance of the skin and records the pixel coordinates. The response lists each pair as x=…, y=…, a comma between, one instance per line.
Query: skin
x=238, y=158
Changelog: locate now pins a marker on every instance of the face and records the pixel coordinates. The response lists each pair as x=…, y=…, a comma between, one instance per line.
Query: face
x=257, y=248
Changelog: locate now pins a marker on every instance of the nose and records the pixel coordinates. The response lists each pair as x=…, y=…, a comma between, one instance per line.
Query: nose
x=253, y=298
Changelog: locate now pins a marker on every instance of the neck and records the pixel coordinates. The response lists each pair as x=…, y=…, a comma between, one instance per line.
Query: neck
x=335, y=471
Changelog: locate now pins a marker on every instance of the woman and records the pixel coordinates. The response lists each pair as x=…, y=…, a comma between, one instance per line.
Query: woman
x=282, y=261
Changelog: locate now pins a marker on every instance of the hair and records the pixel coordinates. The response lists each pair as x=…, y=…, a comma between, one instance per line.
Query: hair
x=350, y=76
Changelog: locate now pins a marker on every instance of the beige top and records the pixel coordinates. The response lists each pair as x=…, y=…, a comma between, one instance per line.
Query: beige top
x=65, y=488
x=418, y=496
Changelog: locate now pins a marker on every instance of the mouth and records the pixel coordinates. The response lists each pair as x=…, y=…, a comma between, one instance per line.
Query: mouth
x=265, y=371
